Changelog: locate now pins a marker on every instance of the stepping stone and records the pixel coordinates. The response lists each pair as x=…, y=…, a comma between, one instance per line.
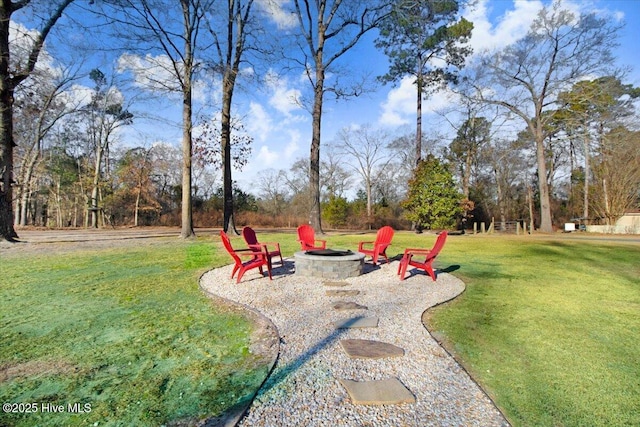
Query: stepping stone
x=336, y=283
x=382, y=392
x=342, y=293
x=348, y=305
x=368, y=349
x=357, y=322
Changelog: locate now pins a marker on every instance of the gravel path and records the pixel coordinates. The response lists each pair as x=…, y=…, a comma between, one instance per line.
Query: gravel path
x=303, y=389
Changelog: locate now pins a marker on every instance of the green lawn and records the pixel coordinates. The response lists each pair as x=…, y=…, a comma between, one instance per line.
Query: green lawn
x=550, y=327
x=127, y=331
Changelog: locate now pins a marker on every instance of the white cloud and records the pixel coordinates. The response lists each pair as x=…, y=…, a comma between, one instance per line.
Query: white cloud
x=266, y=157
x=207, y=90
x=283, y=98
x=79, y=94
x=400, y=102
x=510, y=27
x=275, y=9
x=293, y=146
x=400, y=106
x=151, y=72
x=279, y=154
x=259, y=123
x=21, y=41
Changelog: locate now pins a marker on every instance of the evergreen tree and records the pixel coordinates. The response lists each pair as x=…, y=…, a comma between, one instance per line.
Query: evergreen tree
x=424, y=39
x=433, y=202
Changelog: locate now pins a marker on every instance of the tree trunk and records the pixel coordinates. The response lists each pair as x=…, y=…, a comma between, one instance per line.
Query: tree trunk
x=187, y=125
x=94, y=189
x=137, y=207
x=7, y=230
x=585, y=208
x=419, y=120
x=314, y=164
x=605, y=195
x=369, y=203
x=225, y=140
x=186, y=215
x=543, y=187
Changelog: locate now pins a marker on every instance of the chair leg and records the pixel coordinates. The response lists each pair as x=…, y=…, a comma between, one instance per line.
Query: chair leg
x=404, y=263
x=240, y=274
x=430, y=272
x=269, y=268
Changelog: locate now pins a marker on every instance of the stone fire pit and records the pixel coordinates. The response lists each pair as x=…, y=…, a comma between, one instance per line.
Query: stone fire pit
x=329, y=263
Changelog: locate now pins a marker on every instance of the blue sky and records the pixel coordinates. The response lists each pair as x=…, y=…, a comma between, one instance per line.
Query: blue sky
x=283, y=138
x=281, y=129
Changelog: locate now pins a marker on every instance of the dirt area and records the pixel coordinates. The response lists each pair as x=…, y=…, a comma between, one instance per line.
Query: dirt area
x=75, y=239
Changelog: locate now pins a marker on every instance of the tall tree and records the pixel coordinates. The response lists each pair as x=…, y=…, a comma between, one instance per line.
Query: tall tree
x=232, y=39
x=588, y=110
x=9, y=79
x=329, y=29
x=465, y=148
x=105, y=114
x=617, y=175
x=527, y=77
x=41, y=102
x=151, y=28
x=424, y=39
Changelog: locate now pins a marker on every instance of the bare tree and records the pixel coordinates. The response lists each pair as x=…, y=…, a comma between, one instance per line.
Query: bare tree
x=588, y=110
x=367, y=147
x=234, y=35
x=329, y=29
x=336, y=179
x=527, y=77
x=41, y=102
x=617, y=175
x=105, y=115
x=151, y=26
x=9, y=80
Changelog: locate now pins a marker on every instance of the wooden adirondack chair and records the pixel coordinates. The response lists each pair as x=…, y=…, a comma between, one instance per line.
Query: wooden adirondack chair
x=379, y=247
x=307, y=239
x=258, y=259
x=252, y=241
x=429, y=254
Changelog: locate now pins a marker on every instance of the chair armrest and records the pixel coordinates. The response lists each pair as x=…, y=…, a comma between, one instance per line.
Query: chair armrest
x=276, y=244
x=417, y=251
x=361, y=244
x=265, y=246
x=252, y=250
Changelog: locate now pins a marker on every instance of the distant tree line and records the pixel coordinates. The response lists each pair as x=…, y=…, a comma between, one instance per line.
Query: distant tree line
x=544, y=130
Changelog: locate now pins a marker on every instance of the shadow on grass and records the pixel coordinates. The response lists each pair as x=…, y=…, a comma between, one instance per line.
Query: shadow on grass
x=450, y=269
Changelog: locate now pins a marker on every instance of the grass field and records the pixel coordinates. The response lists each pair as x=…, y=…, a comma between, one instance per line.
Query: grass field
x=550, y=328
x=126, y=331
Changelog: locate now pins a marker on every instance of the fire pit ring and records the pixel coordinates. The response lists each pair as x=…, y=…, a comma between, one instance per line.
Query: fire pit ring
x=329, y=263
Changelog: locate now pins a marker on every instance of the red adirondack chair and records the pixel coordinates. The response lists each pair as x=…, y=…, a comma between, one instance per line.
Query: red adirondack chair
x=379, y=247
x=258, y=258
x=307, y=239
x=252, y=241
x=429, y=254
